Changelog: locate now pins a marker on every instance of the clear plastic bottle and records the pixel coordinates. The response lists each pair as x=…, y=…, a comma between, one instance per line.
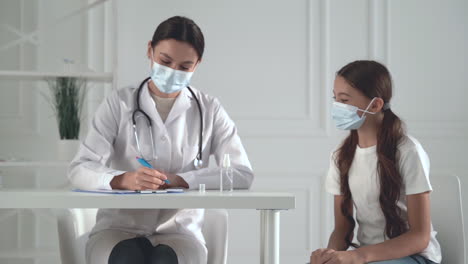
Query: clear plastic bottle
x=226, y=179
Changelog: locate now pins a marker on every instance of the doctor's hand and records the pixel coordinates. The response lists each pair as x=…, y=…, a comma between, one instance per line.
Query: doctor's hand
x=175, y=181
x=142, y=179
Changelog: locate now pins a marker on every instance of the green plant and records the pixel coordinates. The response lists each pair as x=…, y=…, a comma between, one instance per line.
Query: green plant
x=67, y=95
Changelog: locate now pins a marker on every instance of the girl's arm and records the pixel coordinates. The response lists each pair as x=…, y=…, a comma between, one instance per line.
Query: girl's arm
x=337, y=238
x=412, y=242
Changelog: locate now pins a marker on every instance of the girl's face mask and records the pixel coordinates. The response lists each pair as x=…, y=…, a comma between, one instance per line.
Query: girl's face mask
x=346, y=116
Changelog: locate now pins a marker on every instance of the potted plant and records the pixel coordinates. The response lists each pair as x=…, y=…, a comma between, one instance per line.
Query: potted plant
x=67, y=95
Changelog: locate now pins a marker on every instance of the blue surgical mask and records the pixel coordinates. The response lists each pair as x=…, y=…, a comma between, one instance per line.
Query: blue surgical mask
x=346, y=116
x=169, y=80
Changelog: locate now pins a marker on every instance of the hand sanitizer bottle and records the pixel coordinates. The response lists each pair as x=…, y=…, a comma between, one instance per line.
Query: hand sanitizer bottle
x=226, y=175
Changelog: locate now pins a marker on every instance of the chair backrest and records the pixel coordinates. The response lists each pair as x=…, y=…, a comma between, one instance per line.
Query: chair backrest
x=447, y=218
x=215, y=231
x=74, y=226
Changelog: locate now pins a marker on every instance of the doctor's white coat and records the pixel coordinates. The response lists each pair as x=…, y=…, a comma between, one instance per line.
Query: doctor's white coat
x=110, y=149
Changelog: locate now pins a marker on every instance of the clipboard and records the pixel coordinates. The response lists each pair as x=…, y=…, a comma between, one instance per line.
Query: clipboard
x=130, y=192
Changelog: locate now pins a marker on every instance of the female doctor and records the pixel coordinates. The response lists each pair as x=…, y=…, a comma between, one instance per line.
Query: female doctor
x=175, y=128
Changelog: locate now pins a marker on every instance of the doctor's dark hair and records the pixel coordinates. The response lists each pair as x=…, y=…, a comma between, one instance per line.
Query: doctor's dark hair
x=374, y=80
x=181, y=29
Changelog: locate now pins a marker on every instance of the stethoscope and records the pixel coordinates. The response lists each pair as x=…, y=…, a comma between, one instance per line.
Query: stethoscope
x=198, y=162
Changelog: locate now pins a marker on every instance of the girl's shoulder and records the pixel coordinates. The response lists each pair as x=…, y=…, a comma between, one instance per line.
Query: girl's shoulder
x=414, y=166
x=408, y=143
x=410, y=147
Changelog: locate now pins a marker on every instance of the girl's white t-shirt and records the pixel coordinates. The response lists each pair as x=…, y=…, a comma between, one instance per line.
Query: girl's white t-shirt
x=365, y=190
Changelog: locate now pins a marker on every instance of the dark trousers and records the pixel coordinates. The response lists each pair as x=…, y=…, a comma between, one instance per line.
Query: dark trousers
x=139, y=250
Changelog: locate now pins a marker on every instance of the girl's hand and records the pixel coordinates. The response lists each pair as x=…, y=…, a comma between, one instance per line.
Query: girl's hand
x=344, y=257
x=321, y=256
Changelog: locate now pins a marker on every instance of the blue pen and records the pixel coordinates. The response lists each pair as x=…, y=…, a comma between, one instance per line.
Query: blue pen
x=146, y=164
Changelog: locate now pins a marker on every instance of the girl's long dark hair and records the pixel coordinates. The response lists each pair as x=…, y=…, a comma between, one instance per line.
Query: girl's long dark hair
x=374, y=80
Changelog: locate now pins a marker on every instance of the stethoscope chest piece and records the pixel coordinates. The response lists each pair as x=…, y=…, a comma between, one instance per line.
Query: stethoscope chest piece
x=198, y=163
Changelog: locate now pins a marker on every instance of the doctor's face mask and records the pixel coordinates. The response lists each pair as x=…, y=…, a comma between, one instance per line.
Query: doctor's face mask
x=172, y=65
x=169, y=80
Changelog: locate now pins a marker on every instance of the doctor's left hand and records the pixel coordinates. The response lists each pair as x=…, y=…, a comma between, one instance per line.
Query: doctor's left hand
x=175, y=181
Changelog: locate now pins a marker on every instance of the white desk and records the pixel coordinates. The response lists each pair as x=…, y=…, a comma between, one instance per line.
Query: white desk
x=269, y=204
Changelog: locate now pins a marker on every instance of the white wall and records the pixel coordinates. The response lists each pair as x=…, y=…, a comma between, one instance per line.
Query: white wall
x=272, y=65
x=28, y=128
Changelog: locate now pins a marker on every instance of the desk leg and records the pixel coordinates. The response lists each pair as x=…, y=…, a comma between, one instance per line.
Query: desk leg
x=269, y=232
x=263, y=238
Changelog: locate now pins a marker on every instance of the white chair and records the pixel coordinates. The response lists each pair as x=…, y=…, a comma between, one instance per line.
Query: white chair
x=447, y=218
x=74, y=226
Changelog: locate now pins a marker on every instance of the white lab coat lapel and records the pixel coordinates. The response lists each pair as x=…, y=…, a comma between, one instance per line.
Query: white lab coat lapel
x=148, y=105
x=181, y=105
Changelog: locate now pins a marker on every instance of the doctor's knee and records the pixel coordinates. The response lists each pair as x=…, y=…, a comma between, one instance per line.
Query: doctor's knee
x=129, y=251
x=163, y=254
